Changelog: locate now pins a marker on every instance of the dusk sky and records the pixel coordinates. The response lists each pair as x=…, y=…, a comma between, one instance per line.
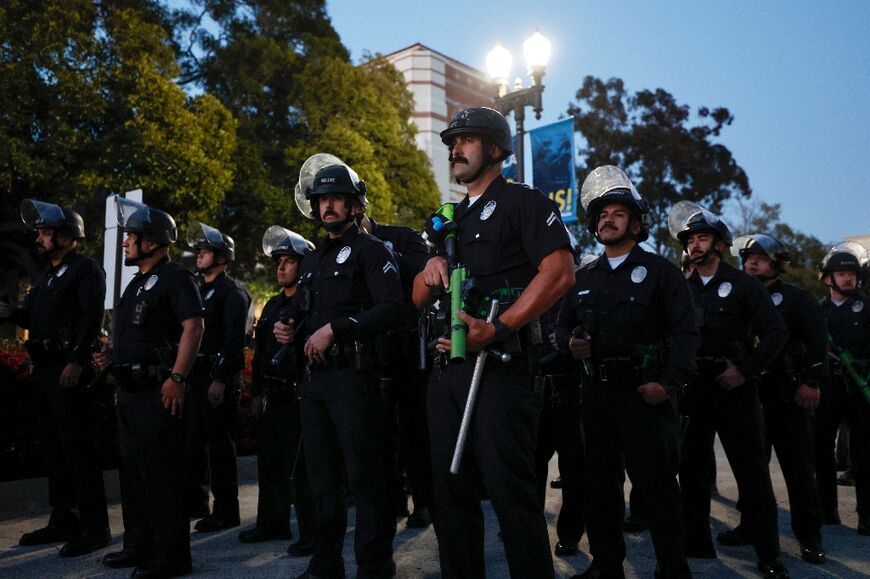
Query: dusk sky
x=795, y=75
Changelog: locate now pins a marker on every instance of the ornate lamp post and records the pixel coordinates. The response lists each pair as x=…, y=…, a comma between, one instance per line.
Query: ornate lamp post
x=498, y=63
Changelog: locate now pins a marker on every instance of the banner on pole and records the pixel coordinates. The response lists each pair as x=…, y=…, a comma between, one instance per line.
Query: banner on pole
x=553, y=165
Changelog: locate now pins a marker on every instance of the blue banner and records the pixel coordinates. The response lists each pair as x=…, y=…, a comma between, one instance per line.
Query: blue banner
x=553, y=165
x=509, y=165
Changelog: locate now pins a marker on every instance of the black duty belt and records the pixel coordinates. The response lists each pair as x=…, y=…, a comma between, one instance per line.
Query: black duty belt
x=558, y=389
x=620, y=370
x=137, y=376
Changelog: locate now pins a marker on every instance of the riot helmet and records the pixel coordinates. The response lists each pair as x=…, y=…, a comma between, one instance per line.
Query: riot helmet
x=687, y=218
x=148, y=224
x=484, y=121
x=337, y=180
x=202, y=236
x=309, y=169
x=845, y=256
x=609, y=184
x=278, y=241
x=762, y=244
x=41, y=215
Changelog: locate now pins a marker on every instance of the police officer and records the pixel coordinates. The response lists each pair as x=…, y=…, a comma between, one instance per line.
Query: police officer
x=511, y=239
x=844, y=271
x=734, y=311
x=789, y=392
x=63, y=313
x=561, y=432
x=629, y=319
x=349, y=292
x=211, y=395
x=158, y=327
x=276, y=373
x=404, y=385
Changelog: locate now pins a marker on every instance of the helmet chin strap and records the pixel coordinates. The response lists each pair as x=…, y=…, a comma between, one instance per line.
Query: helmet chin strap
x=140, y=253
x=850, y=293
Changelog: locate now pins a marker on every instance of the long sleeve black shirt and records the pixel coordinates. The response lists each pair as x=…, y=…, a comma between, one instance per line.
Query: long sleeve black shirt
x=225, y=309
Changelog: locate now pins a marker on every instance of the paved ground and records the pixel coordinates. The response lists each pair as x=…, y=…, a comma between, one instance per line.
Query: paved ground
x=22, y=508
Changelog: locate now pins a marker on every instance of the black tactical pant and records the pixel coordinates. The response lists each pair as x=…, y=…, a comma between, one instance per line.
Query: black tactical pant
x=75, y=475
x=789, y=431
x=625, y=433
x=210, y=445
x=560, y=431
x=409, y=387
x=835, y=405
x=281, y=471
x=736, y=416
x=500, y=456
x=342, y=426
x=156, y=526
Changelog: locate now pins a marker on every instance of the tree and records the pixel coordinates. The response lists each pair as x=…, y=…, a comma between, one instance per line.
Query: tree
x=806, y=251
x=89, y=106
x=668, y=154
x=281, y=68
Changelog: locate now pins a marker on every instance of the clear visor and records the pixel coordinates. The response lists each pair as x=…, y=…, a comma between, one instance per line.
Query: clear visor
x=684, y=213
x=37, y=214
x=756, y=242
x=603, y=180
x=127, y=208
x=280, y=238
x=854, y=248
x=309, y=169
x=202, y=235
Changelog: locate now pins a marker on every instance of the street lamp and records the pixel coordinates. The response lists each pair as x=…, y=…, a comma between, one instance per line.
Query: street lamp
x=498, y=63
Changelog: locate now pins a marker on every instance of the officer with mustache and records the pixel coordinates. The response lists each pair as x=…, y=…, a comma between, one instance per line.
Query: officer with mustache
x=63, y=312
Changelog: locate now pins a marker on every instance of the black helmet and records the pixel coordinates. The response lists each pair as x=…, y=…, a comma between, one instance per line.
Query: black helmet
x=481, y=121
x=609, y=184
x=41, y=215
x=152, y=225
x=762, y=244
x=687, y=218
x=202, y=236
x=278, y=241
x=845, y=256
x=339, y=179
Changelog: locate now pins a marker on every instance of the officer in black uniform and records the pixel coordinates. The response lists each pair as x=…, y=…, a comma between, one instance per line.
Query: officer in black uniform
x=63, y=313
x=629, y=318
x=511, y=239
x=158, y=327
x=561, y=432
x=403, y=386
x=212, y=403
x=844, y=271
x=789, y=392
x=281, y=473
x=734, y=310
x=349, y=292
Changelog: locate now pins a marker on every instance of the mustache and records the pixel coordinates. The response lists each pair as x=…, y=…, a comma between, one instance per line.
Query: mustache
x=608, y=226
x=458, y=159
x=333, y=213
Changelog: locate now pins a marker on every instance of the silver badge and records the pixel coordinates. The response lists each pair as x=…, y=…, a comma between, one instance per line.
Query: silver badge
x=152, y=281
x=62, y=270
x=724, y=289
x=857, y=306
x=638, y=274
x=389, y=245
x=487, y=210
x=209, y=294
x=776, y=298
x=343, y=254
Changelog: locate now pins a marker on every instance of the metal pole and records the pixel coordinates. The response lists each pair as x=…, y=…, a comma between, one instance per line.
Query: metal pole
x=520, y=117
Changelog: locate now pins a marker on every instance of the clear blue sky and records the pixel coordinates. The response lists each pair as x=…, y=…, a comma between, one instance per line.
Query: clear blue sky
x=794, y=73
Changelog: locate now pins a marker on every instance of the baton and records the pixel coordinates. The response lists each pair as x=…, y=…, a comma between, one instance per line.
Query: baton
x=472, y=393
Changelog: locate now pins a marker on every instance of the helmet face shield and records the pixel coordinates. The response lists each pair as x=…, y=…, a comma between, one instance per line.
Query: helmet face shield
x=846, y=256
x=39, y=214
x=202, y=236
x=279, y=241
x=687, y=218
x=309, y=169
x=132, y=215
x=606, y=180
x=763, y=244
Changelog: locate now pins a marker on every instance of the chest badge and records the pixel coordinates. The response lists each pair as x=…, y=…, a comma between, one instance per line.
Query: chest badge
x=343, y=254
x=209, y=294
x=724, y=289
x=776, y=298
x=638, y=274
x=62, y=270
x=389, y=245
x=152, y=281
x=857, y=306
x=487, y=210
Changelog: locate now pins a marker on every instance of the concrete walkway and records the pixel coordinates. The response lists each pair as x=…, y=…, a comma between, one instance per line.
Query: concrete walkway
x=23, y=507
